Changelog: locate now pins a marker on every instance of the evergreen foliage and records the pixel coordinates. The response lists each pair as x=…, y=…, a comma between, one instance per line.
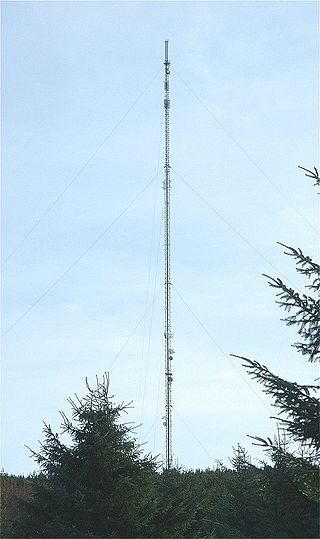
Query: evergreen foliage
x=297, y=403
x=307, y=315
x=12, y=487
x=246, y=501
x=100, y=485
x=241, y=459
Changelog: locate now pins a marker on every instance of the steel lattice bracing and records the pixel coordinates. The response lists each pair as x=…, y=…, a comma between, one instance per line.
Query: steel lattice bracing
x=167, y=258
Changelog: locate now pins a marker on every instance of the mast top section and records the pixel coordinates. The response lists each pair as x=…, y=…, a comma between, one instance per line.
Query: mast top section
x=166, y=52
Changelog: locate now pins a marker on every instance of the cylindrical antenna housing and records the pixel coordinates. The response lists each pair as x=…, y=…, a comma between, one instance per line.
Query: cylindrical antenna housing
x=166, y=50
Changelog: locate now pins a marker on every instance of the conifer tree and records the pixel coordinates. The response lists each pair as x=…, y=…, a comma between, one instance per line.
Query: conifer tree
x=241, y=459
x=99, y=485
x=298, y=404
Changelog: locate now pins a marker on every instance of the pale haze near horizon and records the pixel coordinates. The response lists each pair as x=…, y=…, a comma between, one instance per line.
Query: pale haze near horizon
x=71, y=71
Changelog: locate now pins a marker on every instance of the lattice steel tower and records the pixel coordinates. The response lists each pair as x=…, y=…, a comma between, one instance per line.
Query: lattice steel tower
x=167, y=262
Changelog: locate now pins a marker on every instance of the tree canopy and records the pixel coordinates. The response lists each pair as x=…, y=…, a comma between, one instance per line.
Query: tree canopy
x=97, y=485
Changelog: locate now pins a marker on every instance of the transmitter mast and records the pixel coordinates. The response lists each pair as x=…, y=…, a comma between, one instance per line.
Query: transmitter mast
x=167, y=263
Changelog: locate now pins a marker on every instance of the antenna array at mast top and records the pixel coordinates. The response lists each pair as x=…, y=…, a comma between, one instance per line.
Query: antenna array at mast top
x=166, y=50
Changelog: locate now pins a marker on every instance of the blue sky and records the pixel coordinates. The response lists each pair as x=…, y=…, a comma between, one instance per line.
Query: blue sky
x=79, y=117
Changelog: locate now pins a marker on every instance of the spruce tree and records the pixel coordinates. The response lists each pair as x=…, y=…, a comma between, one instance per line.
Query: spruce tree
x=298, y=404
x=99, y=485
